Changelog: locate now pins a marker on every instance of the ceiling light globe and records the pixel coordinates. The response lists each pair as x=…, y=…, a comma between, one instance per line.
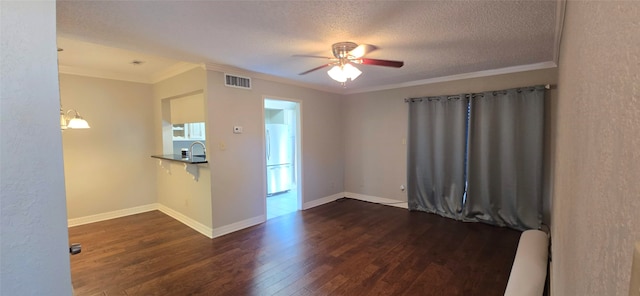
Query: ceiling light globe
x=351, y=72
x=336, y=73
x=78, y=123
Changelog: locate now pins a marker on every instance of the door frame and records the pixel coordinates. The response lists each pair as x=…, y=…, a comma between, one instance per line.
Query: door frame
x=298, y=153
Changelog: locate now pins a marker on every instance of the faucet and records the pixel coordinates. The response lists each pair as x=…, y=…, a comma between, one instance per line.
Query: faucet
x=204, y=149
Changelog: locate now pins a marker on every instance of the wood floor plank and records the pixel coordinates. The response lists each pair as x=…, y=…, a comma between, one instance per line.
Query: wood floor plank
x=346, y=247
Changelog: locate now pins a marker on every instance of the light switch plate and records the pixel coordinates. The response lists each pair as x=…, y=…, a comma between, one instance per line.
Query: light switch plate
x=237, y=130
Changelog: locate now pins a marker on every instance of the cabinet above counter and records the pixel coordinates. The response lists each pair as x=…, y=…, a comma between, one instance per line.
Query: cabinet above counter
x=178, y=158
x=189, y=131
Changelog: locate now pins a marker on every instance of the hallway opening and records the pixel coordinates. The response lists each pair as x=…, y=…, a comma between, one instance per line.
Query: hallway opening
x=282, y=130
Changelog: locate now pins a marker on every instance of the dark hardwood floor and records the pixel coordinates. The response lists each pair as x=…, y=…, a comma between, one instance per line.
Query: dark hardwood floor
x=346, y=247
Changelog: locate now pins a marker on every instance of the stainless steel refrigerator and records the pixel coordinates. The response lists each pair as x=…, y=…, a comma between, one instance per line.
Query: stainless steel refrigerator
x=279, y=158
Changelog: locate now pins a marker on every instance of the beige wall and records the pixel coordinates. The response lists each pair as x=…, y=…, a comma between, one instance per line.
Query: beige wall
x=231, y=188
x=596, y=209
x=107, y=167
x=176, y=189
x=33, y=225
x=238, y=171
x=376, y=124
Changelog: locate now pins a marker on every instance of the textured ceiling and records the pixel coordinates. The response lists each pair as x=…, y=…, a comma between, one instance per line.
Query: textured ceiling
x=434, y=38
x=85, y=58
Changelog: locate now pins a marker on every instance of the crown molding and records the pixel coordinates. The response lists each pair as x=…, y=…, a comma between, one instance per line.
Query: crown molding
x=183, y=67
x=478, y=74
x=272, y=78
x=560, y=15
x=103, y=74
x=174, y=70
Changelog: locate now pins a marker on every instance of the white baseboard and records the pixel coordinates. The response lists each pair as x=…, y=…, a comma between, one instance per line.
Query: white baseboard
x=195, y=225
x=322, y=200
x=111, y=215
x=226, y=229
x=380, y=200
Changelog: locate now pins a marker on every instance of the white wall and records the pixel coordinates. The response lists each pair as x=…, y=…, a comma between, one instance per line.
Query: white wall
x=238, y=171
x=108, y=167
x=376, y=124
x=596, y=208
x=34, y=256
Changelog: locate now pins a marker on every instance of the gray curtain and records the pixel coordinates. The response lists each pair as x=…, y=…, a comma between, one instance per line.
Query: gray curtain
x=505, y=158
x=436, y=155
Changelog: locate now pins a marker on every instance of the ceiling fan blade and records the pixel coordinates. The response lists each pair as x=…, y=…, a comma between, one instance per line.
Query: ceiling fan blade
x=385, y=63
x=362, y=50
x=316, y=68
x=310, y=56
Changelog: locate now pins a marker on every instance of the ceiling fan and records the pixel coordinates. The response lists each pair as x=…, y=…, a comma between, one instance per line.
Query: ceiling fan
x=345, y=55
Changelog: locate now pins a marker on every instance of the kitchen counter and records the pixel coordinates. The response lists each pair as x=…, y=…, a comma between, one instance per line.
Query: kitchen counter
x=177, y=157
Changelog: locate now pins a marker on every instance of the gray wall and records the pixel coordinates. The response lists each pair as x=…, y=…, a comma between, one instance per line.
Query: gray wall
x=238, y=174
x=34, y=256
x=375, y=125
x=596, y=207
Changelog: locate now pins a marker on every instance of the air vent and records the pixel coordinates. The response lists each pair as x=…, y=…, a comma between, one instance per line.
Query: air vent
x=237, y=81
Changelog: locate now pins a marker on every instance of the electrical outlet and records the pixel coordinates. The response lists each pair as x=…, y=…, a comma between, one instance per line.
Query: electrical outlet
x=237, y=130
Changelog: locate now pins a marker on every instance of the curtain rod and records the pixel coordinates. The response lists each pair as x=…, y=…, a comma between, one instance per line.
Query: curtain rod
x=546, y=86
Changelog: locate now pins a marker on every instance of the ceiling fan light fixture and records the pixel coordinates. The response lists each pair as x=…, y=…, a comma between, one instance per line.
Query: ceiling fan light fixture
x=346, y=56
x=337, y=74
x=351, y=72
x=344, y=72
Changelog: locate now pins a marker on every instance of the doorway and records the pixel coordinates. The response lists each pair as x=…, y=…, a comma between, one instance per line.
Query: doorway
x=282, y=154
